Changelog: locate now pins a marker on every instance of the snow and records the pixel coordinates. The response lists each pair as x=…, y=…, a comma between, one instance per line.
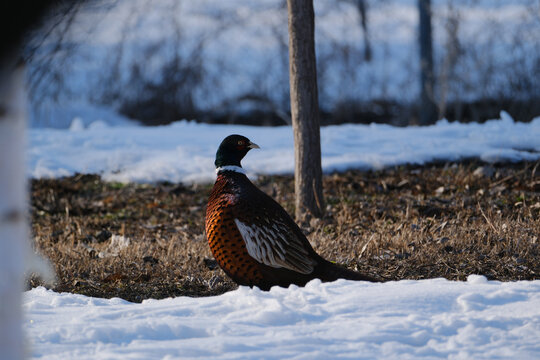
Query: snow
x=184, y=151
x=76, y=115
x=427, y=319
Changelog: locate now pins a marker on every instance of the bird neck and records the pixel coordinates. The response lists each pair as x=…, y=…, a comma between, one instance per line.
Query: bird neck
x=227, y=157
x=233, y=168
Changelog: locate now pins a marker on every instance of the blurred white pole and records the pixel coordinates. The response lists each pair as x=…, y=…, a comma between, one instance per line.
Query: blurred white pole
x=13, y=200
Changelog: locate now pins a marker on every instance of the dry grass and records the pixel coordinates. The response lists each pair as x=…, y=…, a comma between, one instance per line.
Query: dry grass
x=444, y=220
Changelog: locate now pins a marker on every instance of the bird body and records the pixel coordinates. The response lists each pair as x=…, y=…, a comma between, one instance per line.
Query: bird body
x=253, y=239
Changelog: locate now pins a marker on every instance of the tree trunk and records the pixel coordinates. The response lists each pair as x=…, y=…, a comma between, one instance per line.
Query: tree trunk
x=362, y=11
x=13, y=200
x=305, y=109
x=428, y=109
x=14, y=249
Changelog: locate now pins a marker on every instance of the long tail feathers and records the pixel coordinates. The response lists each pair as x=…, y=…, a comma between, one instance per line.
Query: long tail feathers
x=328, y=271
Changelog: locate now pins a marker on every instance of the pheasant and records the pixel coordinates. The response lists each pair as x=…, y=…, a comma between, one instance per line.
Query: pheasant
x=252, y=238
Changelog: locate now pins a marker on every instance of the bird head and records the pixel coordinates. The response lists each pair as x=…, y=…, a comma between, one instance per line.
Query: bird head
x=233, y=149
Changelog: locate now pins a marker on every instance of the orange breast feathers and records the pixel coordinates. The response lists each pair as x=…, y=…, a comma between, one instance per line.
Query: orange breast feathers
x=227, y=244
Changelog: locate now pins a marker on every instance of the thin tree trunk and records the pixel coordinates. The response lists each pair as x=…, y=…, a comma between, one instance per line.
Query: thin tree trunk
x=362, y=10
x=428, y=109
x=13, y=227
x=305, y=109
x=15, y=254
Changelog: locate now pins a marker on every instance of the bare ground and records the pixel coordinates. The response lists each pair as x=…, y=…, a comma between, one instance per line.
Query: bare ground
x=139, y=241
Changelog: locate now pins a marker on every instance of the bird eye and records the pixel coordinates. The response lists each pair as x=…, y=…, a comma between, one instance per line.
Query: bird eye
x=241, y=142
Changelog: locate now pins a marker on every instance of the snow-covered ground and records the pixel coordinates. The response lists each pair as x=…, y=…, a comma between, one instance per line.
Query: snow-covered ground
x=184, y=151
x=426, y=319
x=63, y=116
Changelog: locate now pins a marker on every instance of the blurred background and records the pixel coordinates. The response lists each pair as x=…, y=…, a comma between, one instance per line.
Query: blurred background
x=213, y=61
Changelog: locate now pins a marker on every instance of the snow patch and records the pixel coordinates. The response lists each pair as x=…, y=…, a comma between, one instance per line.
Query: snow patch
x=185, y=151
x=436, y=318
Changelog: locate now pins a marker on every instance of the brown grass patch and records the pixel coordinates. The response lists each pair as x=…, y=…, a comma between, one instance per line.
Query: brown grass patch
x=443, y=220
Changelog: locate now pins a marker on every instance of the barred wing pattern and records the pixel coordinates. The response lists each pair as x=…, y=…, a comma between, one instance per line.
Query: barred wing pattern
x=276, y=245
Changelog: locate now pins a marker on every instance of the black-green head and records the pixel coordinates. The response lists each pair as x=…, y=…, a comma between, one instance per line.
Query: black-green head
x=232, y=150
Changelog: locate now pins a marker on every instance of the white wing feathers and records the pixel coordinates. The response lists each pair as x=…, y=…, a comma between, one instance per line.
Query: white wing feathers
x=274, y=245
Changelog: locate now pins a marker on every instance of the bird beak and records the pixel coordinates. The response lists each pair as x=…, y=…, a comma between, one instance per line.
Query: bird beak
x=253, y=146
